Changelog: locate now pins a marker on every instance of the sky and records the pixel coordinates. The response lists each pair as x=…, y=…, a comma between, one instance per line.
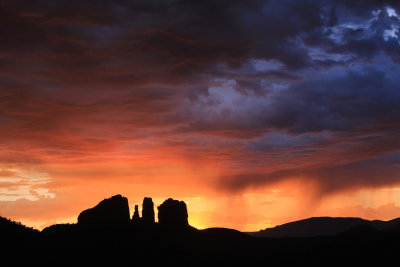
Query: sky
x=255, y=113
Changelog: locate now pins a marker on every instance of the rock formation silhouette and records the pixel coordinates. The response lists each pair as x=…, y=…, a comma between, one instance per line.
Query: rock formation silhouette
x=173, y=242
x=114, y=210
x=148, y=211
x=173, y=213
x=136, y=217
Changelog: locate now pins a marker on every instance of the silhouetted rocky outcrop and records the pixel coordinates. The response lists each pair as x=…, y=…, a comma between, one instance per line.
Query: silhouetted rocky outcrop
x=173, y=213
x=148, y=211
x=136, y=217
x=114, y=210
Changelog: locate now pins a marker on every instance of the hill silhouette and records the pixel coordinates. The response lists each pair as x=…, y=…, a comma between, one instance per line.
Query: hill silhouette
x=96, y=239
x=10, y=227
x=325, y=226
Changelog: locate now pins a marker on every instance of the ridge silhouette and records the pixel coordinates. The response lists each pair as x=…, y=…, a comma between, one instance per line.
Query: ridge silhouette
x=325, y=226
x=105, y=234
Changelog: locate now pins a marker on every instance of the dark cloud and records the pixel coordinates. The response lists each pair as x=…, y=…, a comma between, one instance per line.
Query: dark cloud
x=131, y=42
x=373, y=172
x=346, y=101
x=169, y=37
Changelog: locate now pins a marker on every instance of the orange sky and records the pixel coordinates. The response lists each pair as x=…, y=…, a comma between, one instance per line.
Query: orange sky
x=43, y=194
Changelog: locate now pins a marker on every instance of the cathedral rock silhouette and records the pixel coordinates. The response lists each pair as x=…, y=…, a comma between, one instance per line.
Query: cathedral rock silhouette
x=115, y=211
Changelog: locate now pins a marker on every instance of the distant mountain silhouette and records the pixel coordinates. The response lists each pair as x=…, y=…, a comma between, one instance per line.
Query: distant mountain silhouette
x=325, y=226
x=360, y=229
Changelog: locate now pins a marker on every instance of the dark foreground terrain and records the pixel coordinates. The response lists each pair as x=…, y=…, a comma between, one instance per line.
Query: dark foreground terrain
x=98, y=238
